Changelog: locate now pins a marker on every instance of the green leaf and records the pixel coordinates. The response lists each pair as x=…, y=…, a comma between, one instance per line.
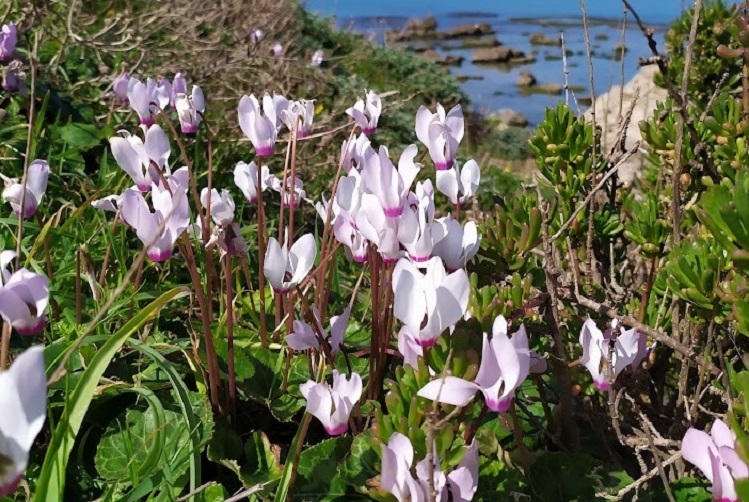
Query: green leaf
x=51, y=482
x=360, y=466
x=318, y=469
x=573, y=477
x=136, y=449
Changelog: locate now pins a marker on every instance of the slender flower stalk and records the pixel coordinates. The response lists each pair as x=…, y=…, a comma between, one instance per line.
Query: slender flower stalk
x=228, y=278
x=261, y=250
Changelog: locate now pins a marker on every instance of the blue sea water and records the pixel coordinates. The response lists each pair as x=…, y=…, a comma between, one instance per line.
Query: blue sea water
x=514, y=21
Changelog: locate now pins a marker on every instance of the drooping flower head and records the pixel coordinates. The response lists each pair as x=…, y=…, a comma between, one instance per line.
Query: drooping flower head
x=190, y=109
x=245, y=177
x=142, y=160
x=332, y=405
x=286, y=268
x=36, y=185
x=24, y=296
x=367, y=114
x=459, y=185
x=259, y=124
x=120, y=85
x=715, y=455
x=159, y=229
x=505, y=364
x=429, y=303
x=8, y=41
x=277, y=50
x=23, y=399
x=306, y=337
x=441, y=133
x=13, y=77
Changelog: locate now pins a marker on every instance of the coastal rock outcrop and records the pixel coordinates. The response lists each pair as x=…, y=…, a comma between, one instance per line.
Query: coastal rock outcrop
x=607, y=108
x=526, y=79
x=543, y=39
x=500, y=54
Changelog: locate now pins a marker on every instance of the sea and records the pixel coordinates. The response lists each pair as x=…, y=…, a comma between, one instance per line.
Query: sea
x=493, y=88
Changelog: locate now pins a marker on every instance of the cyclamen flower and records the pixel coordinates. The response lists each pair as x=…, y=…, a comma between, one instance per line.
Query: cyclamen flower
x=366, y=115
x=347, y=233
x=245, y=177
x=378, y=229
x=120, y=86
x=8, y=41
x=23, y=398
x=222, y=206
x=304, y=336
x=317, y=59
x=147, y=99
x=397, y=457
x=293, y=194
x=277, y=50
x=606, y=358
x=13, y=78
x=332, y=405
x=24, y=297
x=298, y=115
x=441, y=133
x=353, y=152
x=257, y=35
x=391, y=186
x=178, y=86
x=36, y=185
x=409, y=348
x=286, y=268
x=715, y=455
x=419, y=232
x=429, y=303
x=190, y=110
x=459, y=187
x=505, y=364
x=171, y=209
x=142, y=160
x=259, y=125
x=460, y=244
